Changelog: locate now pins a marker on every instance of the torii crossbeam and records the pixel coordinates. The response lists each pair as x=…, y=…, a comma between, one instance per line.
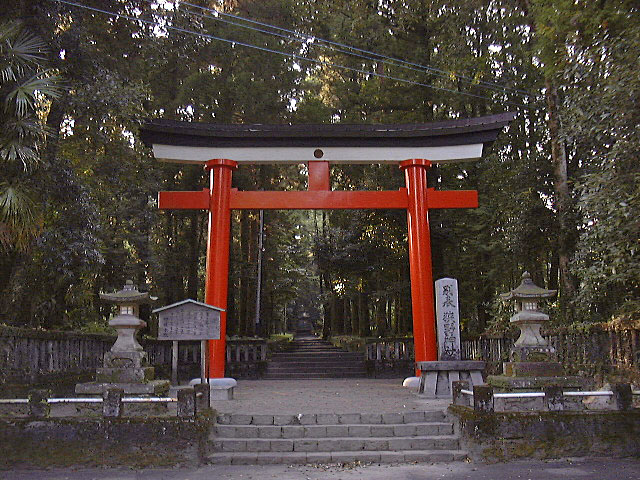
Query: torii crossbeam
x=454, y=140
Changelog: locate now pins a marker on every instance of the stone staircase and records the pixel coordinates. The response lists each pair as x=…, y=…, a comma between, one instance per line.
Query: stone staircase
x=334, y=438
x=309, y=357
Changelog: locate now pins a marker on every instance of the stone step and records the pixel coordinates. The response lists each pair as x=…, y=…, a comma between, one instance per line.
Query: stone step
x=317, y=361
x=401, y=456
x=302, y=356
x=333, y=418
x=288, y=367
x=311, y=376
x=343, y=444
x=331, y=431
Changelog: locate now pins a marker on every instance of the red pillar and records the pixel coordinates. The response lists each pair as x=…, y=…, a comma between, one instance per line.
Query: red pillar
x=424, y=333
x=217, y=281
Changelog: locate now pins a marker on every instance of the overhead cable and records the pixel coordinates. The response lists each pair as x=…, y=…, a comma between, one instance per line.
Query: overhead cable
x=278, y=52
x=304, y=37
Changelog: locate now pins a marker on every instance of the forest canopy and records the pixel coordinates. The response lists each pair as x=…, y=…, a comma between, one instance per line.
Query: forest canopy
x=559, y=191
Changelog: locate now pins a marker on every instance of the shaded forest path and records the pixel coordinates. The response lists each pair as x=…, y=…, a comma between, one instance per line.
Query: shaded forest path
x=309, y=357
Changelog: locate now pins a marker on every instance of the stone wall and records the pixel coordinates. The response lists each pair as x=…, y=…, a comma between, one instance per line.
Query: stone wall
x=497, y=437
x=138, y=443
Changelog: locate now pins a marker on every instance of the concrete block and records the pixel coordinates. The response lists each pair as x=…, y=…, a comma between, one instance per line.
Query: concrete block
x=349, y=418
x=359, y=430
x=337, y=430
x=444, y=429
x=220, y=459
x=244, y=459
x=305, y=445
x=327, y=419
x=225, y=431
x=413, y=417
x=244, y=431
x=382, y=430
x=349, y=444
x=319, y=457
x=285, y=420
x=223, y=419
x=371, y=418
x=392, y=418
x=391, y=457
x=295, y=458
x=292, y=431
x=221, y=393
x=376, y=444
x=262, y=420
x=258, y=446
x=240, y=419
x=417, y=456
x=315, y=431
x=269, y=432
x=398, y=444
x=404, y=430
x=233, y=445
x=307, y=419
x=281, y=445
x=434, y=416
x=424, y=429
x=368, y=457
x=269, y=459
x=343, y=457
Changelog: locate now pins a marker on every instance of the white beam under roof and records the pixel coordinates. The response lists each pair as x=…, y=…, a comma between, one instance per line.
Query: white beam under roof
x=249, y=155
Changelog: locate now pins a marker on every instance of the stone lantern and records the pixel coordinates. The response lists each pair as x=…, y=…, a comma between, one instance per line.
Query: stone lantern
x=531, y=346
x=532, y=361
x=126, y=365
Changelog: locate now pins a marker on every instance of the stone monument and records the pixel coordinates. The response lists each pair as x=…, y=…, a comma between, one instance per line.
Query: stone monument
x=532, y=362
x=126, y=365
x=436, y=377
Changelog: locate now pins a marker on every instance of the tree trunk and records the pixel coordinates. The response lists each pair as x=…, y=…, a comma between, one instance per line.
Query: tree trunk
x=563, y=199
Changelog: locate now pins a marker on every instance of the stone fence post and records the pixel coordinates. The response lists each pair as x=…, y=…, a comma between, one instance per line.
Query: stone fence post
x=483, y=398
x=203, y=394
x=554, y=398
x=112, y=402
x=623, y=396
x=38, y=405
x=458, y=397
x=187, y=402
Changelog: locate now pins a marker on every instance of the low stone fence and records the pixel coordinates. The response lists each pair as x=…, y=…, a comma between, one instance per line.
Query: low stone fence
x=39, y=357
x=587, y=353
x=552, y=399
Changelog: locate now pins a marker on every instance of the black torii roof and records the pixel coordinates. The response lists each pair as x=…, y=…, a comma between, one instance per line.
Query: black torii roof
x=450, y=132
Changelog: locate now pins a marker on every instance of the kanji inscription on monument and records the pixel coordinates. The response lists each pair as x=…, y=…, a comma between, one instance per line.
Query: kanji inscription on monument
x=188, y=320
x=448, y=319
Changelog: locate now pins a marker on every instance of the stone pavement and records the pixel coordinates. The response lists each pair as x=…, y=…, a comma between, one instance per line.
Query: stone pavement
x=349, y=395
x=568, y=469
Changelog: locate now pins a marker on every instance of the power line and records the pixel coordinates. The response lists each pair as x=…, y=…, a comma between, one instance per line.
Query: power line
x=385, y=59
x=278, y=52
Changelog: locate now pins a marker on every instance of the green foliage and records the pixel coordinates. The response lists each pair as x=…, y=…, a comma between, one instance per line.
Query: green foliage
x=86, y=218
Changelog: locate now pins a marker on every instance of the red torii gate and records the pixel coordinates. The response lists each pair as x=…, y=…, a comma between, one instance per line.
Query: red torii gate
x=220, y=198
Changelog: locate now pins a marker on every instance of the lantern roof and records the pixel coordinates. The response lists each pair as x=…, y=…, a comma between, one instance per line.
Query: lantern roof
x=128, y=295
x=528, y=290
